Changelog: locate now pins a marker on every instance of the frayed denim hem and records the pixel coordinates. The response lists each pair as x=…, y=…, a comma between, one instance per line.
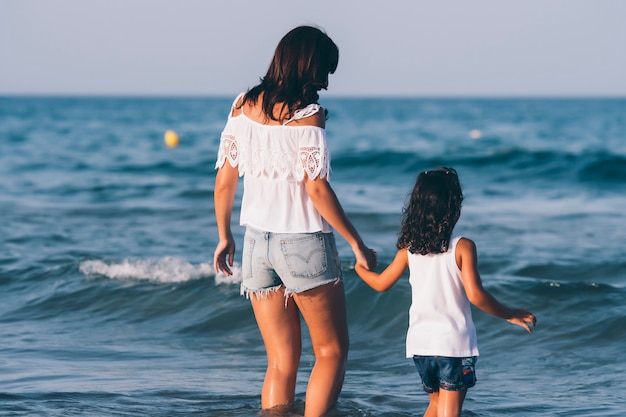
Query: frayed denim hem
x=334, y=281
x=265, y=292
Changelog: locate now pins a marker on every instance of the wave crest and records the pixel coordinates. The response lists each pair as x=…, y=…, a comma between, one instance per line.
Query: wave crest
x=164, y=270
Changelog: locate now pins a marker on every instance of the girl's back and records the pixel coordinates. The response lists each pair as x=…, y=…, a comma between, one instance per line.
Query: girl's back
x=440, y=317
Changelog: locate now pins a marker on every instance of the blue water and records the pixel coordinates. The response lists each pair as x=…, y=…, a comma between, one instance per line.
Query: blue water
x=108, y=302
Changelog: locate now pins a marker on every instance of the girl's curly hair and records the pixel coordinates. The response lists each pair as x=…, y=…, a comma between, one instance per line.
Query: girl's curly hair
x=432, y=212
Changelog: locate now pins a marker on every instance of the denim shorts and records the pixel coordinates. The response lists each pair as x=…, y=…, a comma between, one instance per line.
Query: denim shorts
x=451, y=374
x=297, y=261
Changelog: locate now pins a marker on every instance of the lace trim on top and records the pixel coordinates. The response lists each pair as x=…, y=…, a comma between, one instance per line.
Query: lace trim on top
x=262, y=161
x=313, y=161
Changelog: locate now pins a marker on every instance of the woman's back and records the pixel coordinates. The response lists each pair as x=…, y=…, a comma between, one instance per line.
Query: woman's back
x=274, y=157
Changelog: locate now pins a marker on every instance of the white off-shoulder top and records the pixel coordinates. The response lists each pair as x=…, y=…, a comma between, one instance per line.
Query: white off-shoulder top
x=273, y=160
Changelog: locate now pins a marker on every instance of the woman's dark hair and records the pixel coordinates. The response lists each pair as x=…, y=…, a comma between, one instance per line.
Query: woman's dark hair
x=302, y=61
x=432, y=212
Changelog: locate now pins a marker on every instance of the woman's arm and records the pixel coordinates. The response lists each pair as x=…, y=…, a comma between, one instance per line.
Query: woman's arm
x=385, y=280
x=467, y=260
x=224, y=198
x=327, y=204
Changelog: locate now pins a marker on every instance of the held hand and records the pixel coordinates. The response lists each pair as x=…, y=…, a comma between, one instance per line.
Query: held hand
x=224, y=255
x=365, y=257
x=523, y=318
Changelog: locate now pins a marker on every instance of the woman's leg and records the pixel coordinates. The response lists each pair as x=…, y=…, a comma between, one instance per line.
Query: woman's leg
x=324, y=311
x=279, y=324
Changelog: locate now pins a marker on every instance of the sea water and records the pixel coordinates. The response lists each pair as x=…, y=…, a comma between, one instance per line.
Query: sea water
x=109, y=305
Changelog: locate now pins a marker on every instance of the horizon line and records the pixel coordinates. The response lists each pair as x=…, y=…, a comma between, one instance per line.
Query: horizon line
x=324, y=96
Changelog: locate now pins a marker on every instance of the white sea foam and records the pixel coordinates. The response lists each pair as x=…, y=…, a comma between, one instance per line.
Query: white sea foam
x=235, y=278
x=164, y=270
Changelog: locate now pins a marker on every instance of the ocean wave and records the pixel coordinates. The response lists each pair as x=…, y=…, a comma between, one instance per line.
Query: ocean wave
x=605, y=168
x=605, y=272
x=503, y=163
x=165, y=166
x=515, y=156
x=164, y=270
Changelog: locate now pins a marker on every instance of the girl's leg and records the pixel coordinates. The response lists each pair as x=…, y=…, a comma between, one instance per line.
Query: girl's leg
x=450, y=403
x=279, y=324
x=324, y=311
x=431, y=411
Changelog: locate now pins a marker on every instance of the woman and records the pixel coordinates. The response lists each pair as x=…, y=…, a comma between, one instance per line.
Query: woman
x=275, y=139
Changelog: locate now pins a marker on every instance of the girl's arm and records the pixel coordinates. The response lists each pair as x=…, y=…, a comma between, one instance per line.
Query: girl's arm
x=385, y=280
x=327, y=204
x=224, y=197
x=467, y=260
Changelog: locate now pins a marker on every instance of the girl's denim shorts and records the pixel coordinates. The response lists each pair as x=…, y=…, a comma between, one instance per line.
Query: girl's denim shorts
x=297, y=261
x=451, y=374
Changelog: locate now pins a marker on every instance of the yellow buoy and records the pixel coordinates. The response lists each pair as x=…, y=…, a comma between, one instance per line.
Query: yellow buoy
x=171, y=139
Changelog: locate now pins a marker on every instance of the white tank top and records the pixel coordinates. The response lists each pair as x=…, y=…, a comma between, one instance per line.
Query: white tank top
x=440, y=318
x=274, y=159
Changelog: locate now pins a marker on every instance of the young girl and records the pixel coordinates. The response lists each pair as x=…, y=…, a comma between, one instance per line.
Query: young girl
x=444, y=278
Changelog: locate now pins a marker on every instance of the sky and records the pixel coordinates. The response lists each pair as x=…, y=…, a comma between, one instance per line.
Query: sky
x=387, y=48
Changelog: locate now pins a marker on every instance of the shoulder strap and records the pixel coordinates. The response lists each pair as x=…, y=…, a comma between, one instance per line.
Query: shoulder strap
x=234, y=105
x=305, y=112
